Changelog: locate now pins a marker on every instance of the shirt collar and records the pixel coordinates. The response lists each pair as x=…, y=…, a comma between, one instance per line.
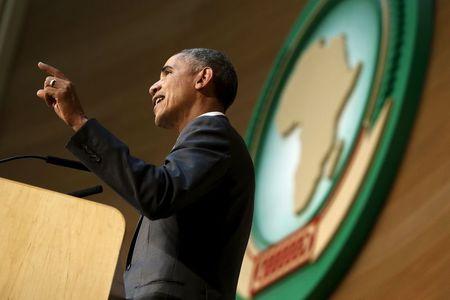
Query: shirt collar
x=212, y=113
x=208, y=114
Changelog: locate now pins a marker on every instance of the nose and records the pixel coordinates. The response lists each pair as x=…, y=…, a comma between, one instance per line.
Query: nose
x=154, y=88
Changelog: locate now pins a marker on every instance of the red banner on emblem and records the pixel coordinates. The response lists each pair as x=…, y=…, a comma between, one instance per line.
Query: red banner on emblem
x=283, y=258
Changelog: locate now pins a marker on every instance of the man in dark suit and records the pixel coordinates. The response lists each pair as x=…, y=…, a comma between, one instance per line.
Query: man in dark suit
x=196, y=208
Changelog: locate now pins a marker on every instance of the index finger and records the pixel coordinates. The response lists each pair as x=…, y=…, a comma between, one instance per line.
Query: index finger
x=51, y=70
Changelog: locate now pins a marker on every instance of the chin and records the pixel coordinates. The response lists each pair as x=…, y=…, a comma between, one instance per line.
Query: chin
x=161, y=122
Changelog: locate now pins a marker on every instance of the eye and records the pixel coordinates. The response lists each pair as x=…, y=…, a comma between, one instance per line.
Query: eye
x=164, y=73
x=166, y=70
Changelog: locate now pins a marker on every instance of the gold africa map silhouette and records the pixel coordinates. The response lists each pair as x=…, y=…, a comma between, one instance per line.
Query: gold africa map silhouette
x=319, y=85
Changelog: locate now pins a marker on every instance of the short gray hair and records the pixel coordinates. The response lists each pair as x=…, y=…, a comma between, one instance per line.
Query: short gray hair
x=224, y=75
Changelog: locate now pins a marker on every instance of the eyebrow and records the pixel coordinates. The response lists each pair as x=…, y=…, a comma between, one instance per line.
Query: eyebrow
x=165, y=69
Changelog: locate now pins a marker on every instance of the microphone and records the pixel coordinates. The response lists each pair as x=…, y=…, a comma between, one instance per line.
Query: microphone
x=87, y=192
x=51, y=160
x=64, y=163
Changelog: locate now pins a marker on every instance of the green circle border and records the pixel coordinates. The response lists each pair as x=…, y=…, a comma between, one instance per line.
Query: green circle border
x=409, y=39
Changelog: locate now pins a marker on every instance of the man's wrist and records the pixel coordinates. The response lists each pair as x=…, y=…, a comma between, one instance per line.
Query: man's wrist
x=79, y=123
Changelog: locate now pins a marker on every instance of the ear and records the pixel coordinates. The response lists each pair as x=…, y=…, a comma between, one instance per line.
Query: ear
x=203, y=78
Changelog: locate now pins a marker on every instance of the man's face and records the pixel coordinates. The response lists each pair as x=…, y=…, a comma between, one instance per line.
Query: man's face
x=174, y=93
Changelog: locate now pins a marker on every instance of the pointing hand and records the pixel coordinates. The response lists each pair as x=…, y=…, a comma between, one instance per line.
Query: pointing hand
x=59, y=93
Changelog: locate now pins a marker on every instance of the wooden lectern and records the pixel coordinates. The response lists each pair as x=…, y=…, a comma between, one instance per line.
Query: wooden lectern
x=54, y=246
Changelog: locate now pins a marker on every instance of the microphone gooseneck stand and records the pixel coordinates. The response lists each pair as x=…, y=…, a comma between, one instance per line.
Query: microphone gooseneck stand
x=63, y=163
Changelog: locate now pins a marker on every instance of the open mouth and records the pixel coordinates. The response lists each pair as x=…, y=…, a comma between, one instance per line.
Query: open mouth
x=157, y=100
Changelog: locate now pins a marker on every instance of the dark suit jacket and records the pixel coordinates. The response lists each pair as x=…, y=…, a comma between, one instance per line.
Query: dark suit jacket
x=197, y=208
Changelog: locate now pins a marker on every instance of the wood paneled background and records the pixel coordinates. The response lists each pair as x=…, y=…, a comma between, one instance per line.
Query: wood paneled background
x=113, y=51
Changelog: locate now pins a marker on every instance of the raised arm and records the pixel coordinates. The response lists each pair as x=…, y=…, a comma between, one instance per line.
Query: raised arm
x=195, y=165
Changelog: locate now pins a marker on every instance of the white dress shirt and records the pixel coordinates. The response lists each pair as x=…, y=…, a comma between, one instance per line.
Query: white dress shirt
x=212, y=113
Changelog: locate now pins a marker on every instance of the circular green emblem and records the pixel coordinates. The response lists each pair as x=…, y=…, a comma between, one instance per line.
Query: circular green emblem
x=326, y=138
